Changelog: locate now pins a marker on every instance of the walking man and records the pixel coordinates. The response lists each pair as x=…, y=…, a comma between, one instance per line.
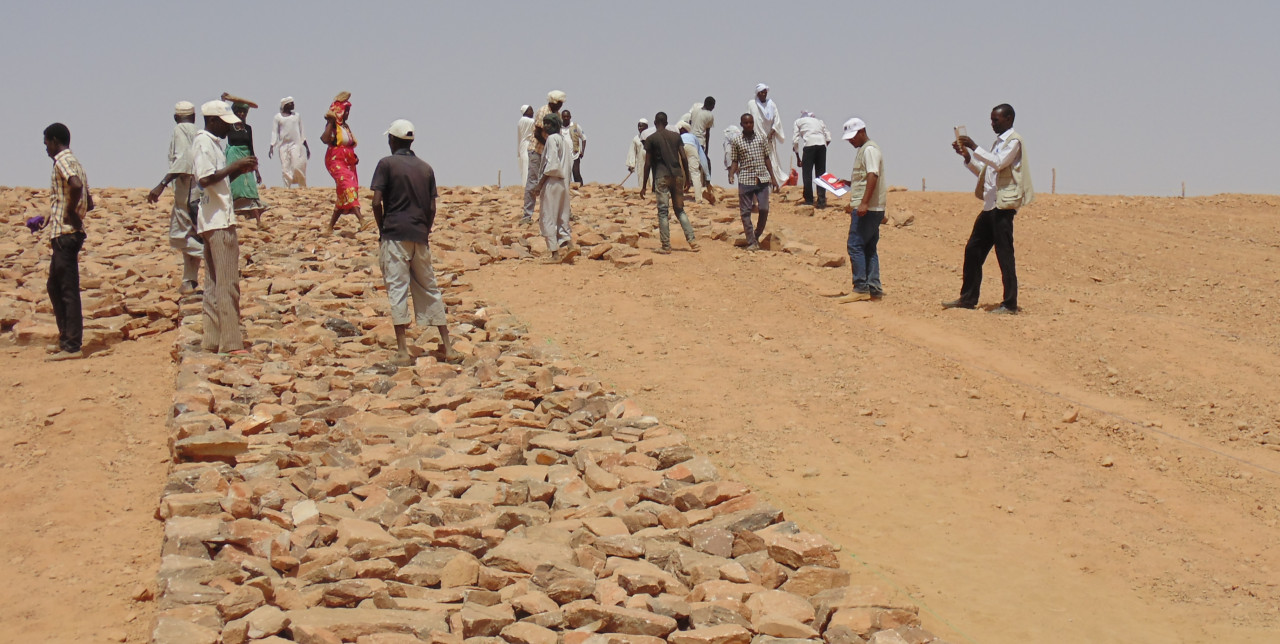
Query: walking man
x=867, y=190
x=635, y=153
x=70, y=203
x=216, y=224
x=555, y=101
x=524, y=141
x=701, y=120
x=557, y=168
x=697, y=160
x=749, y=156
x=404, y=208
x=1004, y=186
x=809, y=141
x=768, y=123
x=665, y=158
x=287, y=136
x=182, y=221
x=579, y=139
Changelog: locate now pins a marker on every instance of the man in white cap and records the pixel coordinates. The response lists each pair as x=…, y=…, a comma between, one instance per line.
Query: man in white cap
x=555, y=101
x=768, y=123
x=287, y=136
x=867, y=190
x=182, y=222
x=1004, y=186
x=809, y=140
x=216, y=224
x=635, y=152
x=524, y=141
x=404, y=207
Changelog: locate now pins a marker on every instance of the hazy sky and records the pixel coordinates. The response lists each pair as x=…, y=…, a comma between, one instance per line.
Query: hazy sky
x=1120, y=97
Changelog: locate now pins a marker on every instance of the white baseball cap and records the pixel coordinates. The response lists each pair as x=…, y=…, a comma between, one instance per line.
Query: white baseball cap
x=401, y=129
x=852, y=127
x=219, y=109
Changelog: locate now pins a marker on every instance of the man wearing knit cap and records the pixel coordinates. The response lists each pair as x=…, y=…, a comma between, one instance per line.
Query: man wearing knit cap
x=555, y=101
x=524, y=141
x=287, y=136
x=404, y=207
x=182, y=224
x=635, y=153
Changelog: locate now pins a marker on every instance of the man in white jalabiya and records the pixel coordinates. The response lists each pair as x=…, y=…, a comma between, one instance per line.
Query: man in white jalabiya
x=182, y=223
x=768, y=122
x=635, y=153
x=524, y=140
x=288, y=138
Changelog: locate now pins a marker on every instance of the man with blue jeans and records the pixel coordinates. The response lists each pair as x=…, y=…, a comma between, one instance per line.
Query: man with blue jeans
x=867, y=197
x=665, y=158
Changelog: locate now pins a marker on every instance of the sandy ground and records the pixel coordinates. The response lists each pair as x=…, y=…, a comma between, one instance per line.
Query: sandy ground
x=932, y=445
x=82, y=463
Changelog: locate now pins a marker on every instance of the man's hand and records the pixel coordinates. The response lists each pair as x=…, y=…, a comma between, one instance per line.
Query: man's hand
x=241, y=166
x=960, y=150
x=154, y=195
x=642, y=189
x=269, y=151
x=862, y=209
x=773, y=182
x=968, y=143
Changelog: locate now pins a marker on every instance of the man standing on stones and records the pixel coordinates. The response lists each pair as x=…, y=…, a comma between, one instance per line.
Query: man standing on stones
x=867, y=190
x=555, y=101
x=1004, y=186
x=70, y=203
x=635, y=153
x=182, y=222
x=701, y=120
x=809, y=141
x=216, y=224
x=749, y=155
x=579, y=139
x=557, y=166
x=768, y=123
x=404, y=207
x=287, y=136
x=524, y=141
x=664, y=156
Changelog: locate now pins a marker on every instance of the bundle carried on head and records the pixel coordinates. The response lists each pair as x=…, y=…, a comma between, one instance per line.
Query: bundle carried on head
x=338, y=109
x=236, y=100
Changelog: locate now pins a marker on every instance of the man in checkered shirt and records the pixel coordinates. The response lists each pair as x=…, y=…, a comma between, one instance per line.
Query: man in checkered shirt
x=749, y=156
x=70, y=203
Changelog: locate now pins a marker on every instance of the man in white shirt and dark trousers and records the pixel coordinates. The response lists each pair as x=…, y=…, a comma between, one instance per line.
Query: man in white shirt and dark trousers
x=1004, y=186
x=404, y=207
x=809, y=140
x=867, y=190
x=216, y=224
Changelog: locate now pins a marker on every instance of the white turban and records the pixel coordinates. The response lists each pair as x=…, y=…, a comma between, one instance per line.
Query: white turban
x=285, y=101
x=555, y=96
x=184, y=108
x=761, y=87
x=683, y=125
x=643, y=122
x=524, y=108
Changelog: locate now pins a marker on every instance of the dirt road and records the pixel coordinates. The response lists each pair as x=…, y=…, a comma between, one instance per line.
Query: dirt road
x=939, y=447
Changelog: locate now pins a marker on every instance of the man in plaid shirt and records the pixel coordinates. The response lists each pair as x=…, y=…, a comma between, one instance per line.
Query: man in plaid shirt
x=70, y=202
x=750, y=164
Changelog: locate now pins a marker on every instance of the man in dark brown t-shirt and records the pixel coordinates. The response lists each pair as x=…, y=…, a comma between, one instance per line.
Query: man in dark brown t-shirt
x=664, y=156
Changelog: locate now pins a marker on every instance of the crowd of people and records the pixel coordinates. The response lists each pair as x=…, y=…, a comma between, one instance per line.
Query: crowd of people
x=214, y=175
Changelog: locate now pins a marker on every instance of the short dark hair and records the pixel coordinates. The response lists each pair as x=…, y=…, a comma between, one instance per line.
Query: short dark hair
x=709, y=102
x=660, y=118
x=58, y=132
x=1007, y=109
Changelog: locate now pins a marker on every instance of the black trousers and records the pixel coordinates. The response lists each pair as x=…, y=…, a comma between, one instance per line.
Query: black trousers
x=64, y=290
x=991, y=228
x=577, y=171
x=813, y=163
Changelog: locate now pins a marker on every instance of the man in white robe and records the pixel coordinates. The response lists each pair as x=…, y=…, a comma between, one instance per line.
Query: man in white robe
x=288, y=138
x=768, y=121
x=635, y=153
x=182, y=235
x=553, y=189
x=524, y=139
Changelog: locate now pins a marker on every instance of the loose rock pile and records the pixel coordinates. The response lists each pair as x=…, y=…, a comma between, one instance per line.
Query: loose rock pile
x=320, y=495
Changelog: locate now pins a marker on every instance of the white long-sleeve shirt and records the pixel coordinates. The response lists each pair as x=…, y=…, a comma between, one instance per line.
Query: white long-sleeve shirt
x=1004, y=152
x=557, y=157
x=807, y=131
x=286, y=130
x=524, y=136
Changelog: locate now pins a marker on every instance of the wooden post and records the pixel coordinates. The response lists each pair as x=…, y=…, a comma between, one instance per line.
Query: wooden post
x=1053, y=187
x=499, y=179
x=1184, y=189
x=923, y=187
